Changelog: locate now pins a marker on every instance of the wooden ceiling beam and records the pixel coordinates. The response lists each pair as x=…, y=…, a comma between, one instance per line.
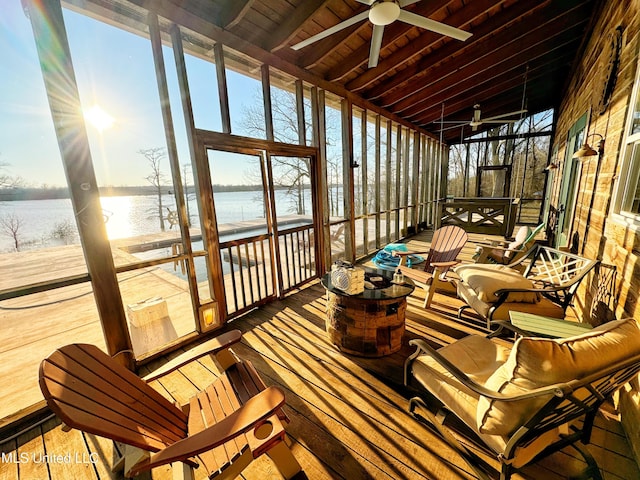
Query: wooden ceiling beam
x=233, y=12
x=293, y=24
x=325, y=48
x=391, y=33
x=484, y=56
x=491, y=88
x=515, y=57
x=308, y=58
x=462, y=19
x=480, y=41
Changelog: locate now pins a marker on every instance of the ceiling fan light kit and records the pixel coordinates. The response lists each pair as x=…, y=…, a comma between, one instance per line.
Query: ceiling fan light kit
x=384, y=13
x=381, y=13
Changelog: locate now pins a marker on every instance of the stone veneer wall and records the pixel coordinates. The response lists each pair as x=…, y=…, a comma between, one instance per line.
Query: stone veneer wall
x=607, y=237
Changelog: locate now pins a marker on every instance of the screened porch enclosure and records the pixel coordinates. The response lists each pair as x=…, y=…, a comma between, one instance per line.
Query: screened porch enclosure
x=327, y=177
x=509, y=161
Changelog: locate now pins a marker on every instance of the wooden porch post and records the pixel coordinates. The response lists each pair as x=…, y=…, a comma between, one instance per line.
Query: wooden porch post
x=347, y=179
x=52, y=45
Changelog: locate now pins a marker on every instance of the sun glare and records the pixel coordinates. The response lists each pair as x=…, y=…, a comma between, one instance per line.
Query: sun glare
x=97, y=117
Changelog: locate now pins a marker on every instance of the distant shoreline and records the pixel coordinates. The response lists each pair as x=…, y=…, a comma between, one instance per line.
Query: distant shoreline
x=52, y=193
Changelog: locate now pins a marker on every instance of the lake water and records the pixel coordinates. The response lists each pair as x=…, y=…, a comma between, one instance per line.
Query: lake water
x=125, y=216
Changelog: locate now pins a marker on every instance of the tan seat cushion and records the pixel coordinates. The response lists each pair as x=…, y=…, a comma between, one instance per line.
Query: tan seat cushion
x=544, y=307
x=477, y=356
x=486, y=280
x=538, y=362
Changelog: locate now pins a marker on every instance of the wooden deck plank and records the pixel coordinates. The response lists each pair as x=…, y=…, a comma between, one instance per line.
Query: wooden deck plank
x=31, y=446
x=103, y=454
x=58, y=446
x=32, y=333
x=362, y=419
x=9, y=467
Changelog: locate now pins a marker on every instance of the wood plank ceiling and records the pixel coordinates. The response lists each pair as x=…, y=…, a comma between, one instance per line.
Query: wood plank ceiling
x=420, y=74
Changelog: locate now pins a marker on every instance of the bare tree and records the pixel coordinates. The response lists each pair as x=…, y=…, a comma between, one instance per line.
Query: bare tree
x=156, y=178
x=6, y=180
x=527, y=155
x=10, y=226
x=292, y=173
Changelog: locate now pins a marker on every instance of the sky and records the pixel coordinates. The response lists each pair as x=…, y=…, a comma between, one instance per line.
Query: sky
x=114, y=70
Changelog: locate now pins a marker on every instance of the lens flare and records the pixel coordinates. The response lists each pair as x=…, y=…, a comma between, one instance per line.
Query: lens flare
x=97, y=117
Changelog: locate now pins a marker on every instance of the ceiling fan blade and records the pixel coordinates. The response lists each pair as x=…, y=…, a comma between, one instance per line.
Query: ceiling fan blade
x=448, y=128
x=366, y=2
x=404, y=3
x=495, y=117
x=427, y=23
x=499, y=121
x=330, y=31
x=376, y=44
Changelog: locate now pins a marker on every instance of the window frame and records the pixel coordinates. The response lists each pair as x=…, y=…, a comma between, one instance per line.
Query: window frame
x=629, y=174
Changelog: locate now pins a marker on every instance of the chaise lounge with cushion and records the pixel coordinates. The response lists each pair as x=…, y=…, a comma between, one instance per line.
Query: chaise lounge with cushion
x=504, y=252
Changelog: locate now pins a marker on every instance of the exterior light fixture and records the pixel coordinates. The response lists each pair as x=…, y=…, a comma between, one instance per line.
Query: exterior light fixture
x=208, y=315
x=587, y=150
x=384, y=12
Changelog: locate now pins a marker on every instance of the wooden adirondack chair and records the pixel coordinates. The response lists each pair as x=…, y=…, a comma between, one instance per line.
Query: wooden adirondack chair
x=223, y=428
x=441, y=256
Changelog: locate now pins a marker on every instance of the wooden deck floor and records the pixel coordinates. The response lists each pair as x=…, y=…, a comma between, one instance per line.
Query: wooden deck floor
x=349, y=418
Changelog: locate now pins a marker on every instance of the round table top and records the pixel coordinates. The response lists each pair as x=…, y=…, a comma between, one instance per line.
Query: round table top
x=392, y=290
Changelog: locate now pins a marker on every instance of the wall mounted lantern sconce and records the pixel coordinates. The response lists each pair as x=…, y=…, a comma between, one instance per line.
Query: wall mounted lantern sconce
x=587, y=150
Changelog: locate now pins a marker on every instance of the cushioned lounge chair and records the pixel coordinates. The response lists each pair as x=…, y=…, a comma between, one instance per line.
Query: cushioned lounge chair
x=524, y=402
x=546, y=287
x=505, y=252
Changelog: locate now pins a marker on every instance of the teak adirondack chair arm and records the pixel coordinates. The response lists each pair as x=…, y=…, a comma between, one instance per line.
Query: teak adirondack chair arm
x=213, y=346
x=255, y=410
x=445, y=264
x=238, y=415
x=397, y=253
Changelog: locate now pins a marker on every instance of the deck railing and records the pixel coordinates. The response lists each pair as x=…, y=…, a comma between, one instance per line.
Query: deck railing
x=251, y=280
x=491, y=216
x=297, y=256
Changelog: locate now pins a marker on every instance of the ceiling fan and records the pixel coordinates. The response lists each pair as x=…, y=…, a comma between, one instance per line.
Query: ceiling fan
x=381, y=13
x=477, y=119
